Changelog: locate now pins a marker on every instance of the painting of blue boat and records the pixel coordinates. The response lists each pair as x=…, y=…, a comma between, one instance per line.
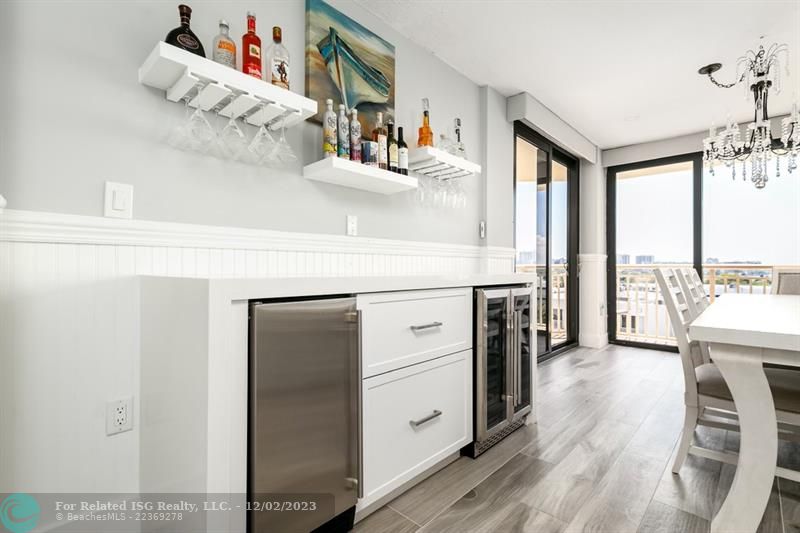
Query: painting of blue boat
x=347, y=63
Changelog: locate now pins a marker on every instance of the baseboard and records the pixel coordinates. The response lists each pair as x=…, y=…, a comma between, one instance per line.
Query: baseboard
x=593, y=341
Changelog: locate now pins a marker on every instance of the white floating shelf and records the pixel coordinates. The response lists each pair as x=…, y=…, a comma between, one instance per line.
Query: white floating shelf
x=436, y=163
x=179, y=73
x=358, y=176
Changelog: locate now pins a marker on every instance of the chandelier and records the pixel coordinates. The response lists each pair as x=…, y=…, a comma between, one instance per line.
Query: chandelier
x=758, y=71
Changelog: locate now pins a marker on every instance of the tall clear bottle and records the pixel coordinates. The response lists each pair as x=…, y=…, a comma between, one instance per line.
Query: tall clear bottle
x=458, y=147
x=277, y=67
x=355, y=136
x=343, y=127
x=379, y=136
x=224, y=51
x=329, y=135
x=425, y=132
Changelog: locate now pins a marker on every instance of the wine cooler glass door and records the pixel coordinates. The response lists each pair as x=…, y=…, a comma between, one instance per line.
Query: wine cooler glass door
x=522, y=353
x=492, y=375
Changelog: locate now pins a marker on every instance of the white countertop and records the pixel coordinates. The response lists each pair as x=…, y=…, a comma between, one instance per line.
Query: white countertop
x=255, y=288
x=761, y=320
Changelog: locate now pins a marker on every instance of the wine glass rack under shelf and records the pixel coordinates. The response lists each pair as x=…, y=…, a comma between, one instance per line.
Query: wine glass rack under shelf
x=210, y=85
x=435, y=163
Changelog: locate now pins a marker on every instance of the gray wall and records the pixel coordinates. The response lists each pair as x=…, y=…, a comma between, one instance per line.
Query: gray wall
x=75, y=116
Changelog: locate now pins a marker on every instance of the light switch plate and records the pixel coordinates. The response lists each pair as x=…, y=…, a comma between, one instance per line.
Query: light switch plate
x=118, y=200
x=352, y=225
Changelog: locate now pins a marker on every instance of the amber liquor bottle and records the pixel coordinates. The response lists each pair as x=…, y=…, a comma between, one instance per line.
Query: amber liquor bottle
x=183, y=36
x=251, y=49
x=425, y=132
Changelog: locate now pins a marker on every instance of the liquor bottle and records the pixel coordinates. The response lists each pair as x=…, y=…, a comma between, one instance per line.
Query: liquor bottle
x=425, y=132
x=224, y=51
x=329, y=130
x=458, y=147
x=251, y=48
x=343, y=127
x=183, y=36
x=277, y=60
x=392, y=148
x=402, y=153
x=355, y=136
x=379, y=136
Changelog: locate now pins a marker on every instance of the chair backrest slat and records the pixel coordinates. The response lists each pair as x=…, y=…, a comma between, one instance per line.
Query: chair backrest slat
x=679, y=316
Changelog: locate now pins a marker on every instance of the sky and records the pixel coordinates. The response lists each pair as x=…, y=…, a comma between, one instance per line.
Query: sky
x=740, y=222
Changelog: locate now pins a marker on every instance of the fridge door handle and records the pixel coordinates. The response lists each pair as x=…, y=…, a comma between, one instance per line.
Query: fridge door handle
x=360, y=410
x=518, y=353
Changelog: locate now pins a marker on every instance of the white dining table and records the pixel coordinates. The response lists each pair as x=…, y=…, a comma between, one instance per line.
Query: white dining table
x=744, y=331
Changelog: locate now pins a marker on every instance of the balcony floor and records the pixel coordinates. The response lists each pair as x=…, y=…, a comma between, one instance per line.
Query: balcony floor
x=598, y=460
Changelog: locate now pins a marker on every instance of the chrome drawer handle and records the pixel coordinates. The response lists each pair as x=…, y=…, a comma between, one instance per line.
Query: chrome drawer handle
x=426, y=326
x=416, y=423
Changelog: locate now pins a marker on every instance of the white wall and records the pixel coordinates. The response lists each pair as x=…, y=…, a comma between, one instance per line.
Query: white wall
x=74, y=117
x=498, y=169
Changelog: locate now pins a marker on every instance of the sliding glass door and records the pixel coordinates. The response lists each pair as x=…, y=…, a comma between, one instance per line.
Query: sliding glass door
x=546, y=235
x=653, y=220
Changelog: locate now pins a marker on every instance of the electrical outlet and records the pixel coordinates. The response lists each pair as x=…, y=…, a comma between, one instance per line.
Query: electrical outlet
x=119, y=416
x=352, y=225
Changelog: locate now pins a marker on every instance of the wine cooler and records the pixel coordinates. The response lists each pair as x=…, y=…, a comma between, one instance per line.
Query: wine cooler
x=504, y=360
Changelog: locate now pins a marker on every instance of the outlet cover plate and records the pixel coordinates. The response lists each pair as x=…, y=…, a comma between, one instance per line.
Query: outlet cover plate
x=119, y=416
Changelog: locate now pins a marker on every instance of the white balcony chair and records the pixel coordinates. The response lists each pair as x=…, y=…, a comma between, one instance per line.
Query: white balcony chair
x=707, y=398
x=786, y=280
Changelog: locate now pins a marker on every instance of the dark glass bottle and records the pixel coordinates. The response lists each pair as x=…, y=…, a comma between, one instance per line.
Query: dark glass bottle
x=402, y=153
x=392, y=148
x=183, y=36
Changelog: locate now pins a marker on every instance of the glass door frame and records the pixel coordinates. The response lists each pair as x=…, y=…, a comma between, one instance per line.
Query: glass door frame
x=696, y=158
x=556, y=154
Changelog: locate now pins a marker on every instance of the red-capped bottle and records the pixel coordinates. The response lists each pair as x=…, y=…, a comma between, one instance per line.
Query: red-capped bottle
x=251, y=49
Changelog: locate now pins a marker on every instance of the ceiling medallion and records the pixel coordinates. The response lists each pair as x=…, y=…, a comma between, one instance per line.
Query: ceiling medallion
x=758, y=71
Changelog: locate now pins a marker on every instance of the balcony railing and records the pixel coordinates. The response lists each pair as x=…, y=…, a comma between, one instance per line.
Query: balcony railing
x=558, y=296
x=641, y=315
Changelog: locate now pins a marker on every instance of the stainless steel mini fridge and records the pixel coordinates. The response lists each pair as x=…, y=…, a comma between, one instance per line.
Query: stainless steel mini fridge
x=304, y=415
x=504, y=340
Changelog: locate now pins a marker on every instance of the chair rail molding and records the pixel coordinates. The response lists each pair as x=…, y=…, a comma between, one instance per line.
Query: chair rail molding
x=290, y=253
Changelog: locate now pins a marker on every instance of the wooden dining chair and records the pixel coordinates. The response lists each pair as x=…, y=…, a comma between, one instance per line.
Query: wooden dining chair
x=707, y=398
x=695, y=291
x=696, y=299
x=786, y=280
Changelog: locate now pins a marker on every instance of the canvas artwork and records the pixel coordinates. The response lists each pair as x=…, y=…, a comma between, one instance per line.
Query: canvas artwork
x=348, y=64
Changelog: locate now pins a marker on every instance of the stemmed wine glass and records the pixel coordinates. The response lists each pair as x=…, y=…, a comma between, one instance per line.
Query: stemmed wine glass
x=262, y=147
x=283, y=151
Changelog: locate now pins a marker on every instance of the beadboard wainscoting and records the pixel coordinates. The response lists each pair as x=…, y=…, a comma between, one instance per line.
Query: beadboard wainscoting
x=69, y=323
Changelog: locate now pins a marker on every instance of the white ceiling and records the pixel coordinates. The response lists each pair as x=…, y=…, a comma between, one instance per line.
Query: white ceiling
x=620, y=72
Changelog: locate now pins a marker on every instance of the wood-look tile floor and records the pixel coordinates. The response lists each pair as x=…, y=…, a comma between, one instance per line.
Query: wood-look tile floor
x=598, y=460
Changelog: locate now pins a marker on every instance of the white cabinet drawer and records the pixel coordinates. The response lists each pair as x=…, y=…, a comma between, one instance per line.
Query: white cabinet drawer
x=404, y=328
x=395, y=448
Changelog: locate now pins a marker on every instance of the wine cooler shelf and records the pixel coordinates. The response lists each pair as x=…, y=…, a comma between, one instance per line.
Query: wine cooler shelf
x=210, y=85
